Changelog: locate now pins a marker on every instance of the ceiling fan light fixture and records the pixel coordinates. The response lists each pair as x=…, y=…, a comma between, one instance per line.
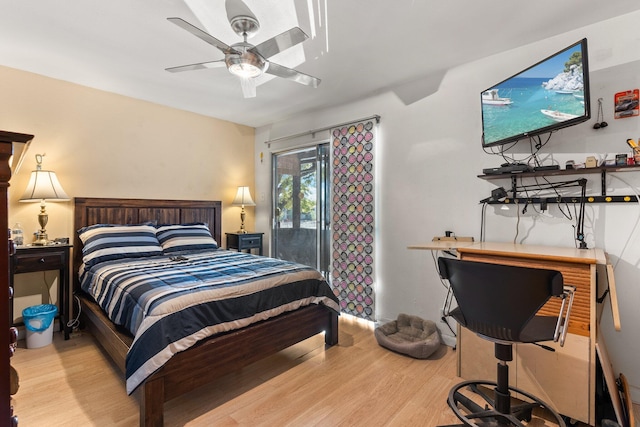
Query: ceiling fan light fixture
x=245, y=64
x=245, y=70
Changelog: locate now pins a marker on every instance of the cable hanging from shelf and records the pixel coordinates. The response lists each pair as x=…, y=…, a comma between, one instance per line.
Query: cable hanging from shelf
x=502, y=197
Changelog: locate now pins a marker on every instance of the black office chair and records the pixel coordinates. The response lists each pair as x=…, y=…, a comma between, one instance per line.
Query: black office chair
x=499, y=303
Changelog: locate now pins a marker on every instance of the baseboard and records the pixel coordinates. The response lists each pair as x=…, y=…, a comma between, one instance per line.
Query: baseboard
x=449, y=340
x=381, y=321
x=635, y=394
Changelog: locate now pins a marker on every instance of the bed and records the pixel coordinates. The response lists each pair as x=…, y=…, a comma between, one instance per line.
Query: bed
x=211, y=357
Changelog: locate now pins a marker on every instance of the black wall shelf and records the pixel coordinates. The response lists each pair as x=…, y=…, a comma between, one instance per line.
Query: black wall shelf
x=548, y=200
x=603, y=198
x=556, y=172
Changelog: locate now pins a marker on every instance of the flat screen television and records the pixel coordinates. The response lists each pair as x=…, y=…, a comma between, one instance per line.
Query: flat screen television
x=550, y=95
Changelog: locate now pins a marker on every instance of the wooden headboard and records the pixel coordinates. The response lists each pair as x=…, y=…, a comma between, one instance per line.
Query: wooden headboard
x=89, y=211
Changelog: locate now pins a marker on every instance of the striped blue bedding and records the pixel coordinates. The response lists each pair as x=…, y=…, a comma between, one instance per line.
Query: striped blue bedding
x=169, y=303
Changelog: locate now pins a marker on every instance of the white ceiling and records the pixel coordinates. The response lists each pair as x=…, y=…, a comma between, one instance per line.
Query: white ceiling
x=357, y=47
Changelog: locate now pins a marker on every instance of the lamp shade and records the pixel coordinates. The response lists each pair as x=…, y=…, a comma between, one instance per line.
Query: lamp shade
x=243, y=198
x=43, y=185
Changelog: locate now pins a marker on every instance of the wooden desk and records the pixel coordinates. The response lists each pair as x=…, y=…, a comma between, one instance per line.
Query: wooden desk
x=565, y=378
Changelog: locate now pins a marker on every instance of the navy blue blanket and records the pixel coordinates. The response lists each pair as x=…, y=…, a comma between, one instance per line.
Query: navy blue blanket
x=169, y=303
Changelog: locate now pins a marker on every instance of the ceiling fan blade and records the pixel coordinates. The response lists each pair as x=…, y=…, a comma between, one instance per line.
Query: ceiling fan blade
x=282, y=41
x=202, y=35
x=290, y=74
x=248, y=87
x=198, y=66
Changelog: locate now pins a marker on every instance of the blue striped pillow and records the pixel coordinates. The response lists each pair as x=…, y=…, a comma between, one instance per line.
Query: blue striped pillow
x=106, y=242
x=185, y=237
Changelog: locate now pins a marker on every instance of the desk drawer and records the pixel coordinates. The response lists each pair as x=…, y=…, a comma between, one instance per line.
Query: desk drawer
x=26, y=263
x=247, y=242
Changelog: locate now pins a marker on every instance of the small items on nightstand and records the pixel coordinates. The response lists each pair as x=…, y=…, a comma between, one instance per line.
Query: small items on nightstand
x=17, y=234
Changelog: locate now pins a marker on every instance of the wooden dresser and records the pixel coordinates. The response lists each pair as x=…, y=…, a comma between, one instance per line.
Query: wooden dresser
x=8, y=140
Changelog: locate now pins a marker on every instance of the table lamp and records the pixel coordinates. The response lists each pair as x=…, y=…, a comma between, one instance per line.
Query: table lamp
x=243, y=198
x=43, y=185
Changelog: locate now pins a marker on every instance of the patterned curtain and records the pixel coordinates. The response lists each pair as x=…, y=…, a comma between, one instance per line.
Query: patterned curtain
x=352, y=224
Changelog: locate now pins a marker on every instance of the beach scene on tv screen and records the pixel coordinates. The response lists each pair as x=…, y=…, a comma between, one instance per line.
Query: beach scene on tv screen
x=544, y=95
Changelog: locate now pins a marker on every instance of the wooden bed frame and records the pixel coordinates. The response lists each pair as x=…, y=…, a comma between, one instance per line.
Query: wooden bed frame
x=211, y=358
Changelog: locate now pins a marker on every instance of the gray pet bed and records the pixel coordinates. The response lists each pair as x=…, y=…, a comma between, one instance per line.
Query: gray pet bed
x=409, y=335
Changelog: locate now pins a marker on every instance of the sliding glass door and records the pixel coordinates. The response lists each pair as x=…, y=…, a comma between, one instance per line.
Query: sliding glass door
x=301, y=218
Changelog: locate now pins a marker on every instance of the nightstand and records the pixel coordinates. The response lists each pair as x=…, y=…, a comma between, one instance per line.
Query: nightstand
x=242, y=241
x=30, y=259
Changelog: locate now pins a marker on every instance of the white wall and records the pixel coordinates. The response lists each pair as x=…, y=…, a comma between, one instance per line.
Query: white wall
x=428, y=158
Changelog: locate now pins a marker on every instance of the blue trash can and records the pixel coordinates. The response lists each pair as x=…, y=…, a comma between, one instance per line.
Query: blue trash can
x=38, y=320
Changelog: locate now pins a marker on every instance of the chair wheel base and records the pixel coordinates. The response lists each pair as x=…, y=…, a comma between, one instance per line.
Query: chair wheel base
x=476, y=407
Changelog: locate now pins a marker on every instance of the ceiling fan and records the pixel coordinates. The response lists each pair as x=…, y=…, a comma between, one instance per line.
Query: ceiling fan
x=244, y=59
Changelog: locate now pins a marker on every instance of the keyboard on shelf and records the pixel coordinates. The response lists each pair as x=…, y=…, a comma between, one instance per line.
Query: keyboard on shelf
x=511, y=168
x=546, y=168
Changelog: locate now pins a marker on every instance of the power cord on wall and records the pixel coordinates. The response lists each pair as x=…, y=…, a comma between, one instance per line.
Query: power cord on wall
x=47, y=286
x=515, y=238
x=535, y=144
x=446, y=306
x=73, y=324
x=483, y=221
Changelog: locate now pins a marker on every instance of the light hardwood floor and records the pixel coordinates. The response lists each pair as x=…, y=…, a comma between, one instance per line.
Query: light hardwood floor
x=355, y=383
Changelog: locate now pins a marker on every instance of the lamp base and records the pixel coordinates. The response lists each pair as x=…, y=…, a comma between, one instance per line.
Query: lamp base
x=43, y=218
x=41, y=239
x=242, y=216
